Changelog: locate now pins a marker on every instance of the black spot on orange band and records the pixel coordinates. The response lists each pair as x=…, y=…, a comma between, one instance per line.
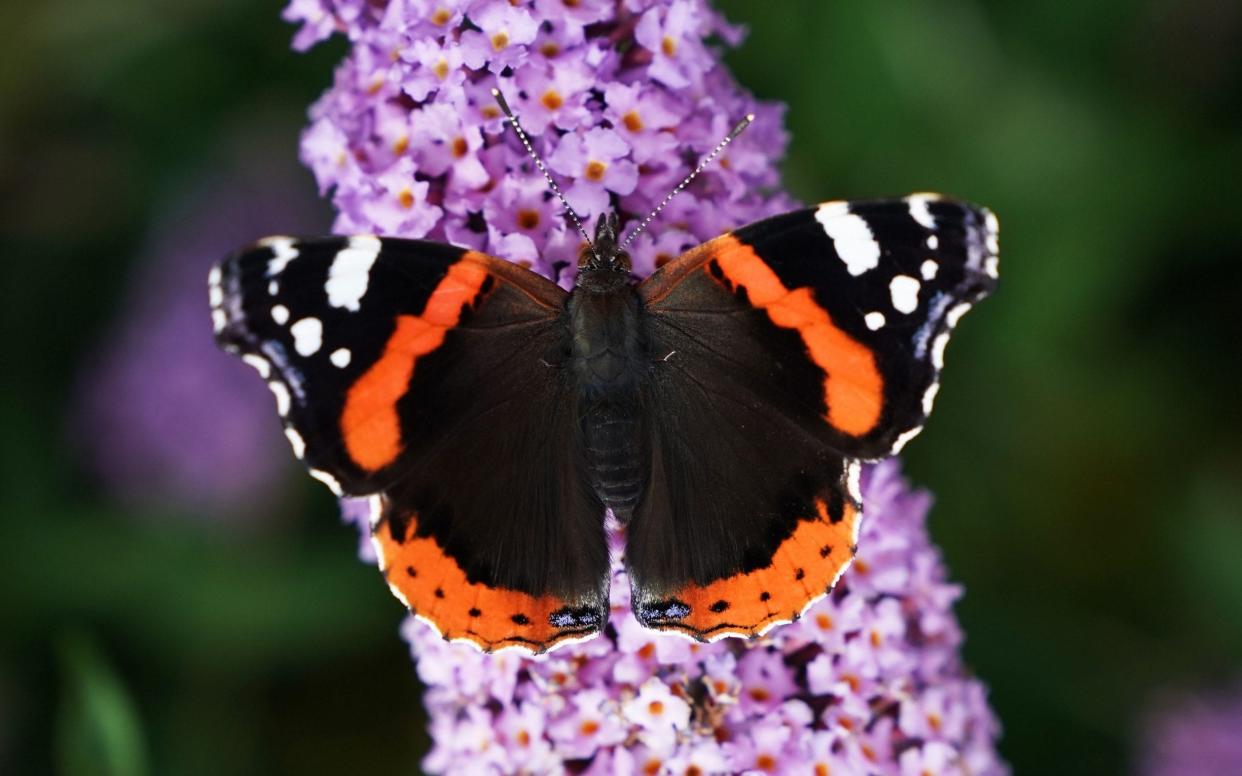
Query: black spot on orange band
x=748, y=603
x=491, y=618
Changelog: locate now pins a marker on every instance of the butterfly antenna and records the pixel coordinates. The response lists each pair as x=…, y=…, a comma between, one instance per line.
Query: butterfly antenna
x=521, y=133
x=739, y=129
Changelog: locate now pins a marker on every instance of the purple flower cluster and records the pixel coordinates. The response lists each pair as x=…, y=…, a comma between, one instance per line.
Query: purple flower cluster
x=868, y=681
x=621, y=97
x=1192, y=736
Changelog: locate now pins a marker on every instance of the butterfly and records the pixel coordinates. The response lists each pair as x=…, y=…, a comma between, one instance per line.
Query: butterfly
x=719, y=408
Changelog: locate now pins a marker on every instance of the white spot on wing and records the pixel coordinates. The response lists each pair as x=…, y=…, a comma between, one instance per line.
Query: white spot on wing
x=283, y=252
x=874, y=320
x=956, y=313
x=350, y=272
x=259, y=364
x=903, y=439
x=919, y=211
x=215, y=293
x=929, y=269
x=929, y=397
x=340, y=357
x=280, y=314
x=307, y=336
x=905, y=293
x=296, y=442
x=991, y=264
x=273, y=288
x=938, y=347
x=218, y=320
x=933, y=241
x=853, y=479
x=850, y=236
x=281, y=393
x=327, y=479
x=376, y=504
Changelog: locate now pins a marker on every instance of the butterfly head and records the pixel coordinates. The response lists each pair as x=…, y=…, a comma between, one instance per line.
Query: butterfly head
x=604, y=262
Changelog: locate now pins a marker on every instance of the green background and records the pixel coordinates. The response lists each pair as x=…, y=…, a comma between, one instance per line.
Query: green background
x=1084, y=451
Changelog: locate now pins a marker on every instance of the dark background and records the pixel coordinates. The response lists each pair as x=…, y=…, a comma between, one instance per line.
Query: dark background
x=1084, y=451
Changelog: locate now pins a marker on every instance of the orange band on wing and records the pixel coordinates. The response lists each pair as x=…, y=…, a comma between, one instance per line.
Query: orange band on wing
x=370, y=424
x=804, y=568
x=434, y=587
x=853, y=386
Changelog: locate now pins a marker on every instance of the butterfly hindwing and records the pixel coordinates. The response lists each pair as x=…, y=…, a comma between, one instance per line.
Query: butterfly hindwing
x=424, y=375
x=782, y=352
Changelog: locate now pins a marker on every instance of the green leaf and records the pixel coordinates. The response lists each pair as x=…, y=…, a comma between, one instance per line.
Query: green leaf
x=98, y=731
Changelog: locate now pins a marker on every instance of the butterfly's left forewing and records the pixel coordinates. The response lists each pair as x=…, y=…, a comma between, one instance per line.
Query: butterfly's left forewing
x=784, y=352
x=423, y=375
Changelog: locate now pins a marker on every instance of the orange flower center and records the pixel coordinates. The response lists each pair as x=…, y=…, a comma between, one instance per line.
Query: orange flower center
x=440, y=16
x=406, y=199
x=549, y=50
x=652, y=767
x=668, y=46
x=528, y=219
x=589, y=728
x=401, y=144
x=552, y=99
x=765, y=762
x=441, y=69
x=460, y=147
x=656, y=708
x=595, y=171
x=633, y=122
x=500, y=40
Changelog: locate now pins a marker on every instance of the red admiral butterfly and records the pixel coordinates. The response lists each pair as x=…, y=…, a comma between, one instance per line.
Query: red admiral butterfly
x=719, y=408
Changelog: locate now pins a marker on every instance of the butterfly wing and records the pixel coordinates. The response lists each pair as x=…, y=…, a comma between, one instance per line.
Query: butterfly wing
x=424, y=375
x=783, y=352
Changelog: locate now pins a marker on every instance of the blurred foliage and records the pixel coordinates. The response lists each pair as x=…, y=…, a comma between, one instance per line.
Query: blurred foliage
x=1084, y=452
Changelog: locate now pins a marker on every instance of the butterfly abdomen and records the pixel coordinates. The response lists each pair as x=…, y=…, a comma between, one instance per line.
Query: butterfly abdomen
x=609, y=361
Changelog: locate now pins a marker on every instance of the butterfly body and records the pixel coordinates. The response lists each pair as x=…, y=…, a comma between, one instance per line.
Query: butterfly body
x=610, y=361
x=719, y=408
